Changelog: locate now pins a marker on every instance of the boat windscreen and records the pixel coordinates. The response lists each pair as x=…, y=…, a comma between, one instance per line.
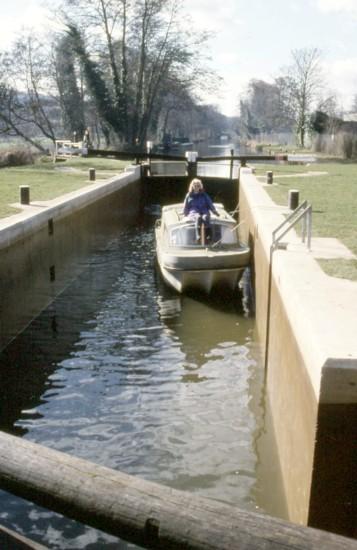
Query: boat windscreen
x=229, y=234
x=183, y=236
x=186, y=235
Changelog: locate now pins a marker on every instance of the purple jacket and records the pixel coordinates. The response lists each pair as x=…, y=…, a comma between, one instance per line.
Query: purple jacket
x=199, y=203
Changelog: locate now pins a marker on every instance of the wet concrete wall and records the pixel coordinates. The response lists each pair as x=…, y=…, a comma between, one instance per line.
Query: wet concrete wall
x=42, y=248
x=305, y=326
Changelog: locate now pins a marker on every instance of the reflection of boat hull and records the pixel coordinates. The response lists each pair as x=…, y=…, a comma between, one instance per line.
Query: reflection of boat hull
x=202, y=267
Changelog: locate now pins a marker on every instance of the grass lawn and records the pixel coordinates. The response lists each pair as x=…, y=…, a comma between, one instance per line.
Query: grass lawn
x=48, y=181
x=333, y=196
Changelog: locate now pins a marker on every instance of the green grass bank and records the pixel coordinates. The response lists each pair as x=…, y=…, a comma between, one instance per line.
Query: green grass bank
x=331, y=188
x=48, y=180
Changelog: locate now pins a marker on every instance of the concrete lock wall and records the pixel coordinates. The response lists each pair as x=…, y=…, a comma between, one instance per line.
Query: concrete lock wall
x=311, y=375
x=41, y=249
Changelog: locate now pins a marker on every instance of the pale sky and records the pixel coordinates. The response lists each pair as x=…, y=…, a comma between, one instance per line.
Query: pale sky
x=253, y=39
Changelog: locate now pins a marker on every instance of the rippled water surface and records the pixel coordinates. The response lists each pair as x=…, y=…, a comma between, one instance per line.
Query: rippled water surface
x=123, y=372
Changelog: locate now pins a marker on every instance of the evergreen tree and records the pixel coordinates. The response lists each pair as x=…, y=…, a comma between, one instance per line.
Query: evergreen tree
x=71, y=100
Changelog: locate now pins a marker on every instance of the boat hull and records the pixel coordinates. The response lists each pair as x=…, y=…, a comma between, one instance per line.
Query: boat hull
x=204, y=269
x=203, y=280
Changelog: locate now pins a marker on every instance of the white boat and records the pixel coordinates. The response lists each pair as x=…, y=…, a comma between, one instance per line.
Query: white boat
x=204, y=265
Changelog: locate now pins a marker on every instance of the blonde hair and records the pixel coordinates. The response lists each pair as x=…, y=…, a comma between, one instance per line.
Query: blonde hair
x=193, y=184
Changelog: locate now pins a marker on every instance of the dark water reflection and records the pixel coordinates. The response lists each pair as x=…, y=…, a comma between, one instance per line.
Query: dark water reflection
x=125, y=373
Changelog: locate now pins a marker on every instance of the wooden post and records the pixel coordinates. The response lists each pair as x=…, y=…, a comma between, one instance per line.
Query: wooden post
x=24, y=194
x=143, y=512
x=269, y=177
x=293, y=200
x=91, y=174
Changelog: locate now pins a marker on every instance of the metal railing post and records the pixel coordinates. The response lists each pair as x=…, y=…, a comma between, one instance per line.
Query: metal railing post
x=231, y=165
x=309, y=226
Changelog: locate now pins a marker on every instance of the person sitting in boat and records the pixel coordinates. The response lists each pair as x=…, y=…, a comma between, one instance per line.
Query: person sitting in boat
x=198, y=205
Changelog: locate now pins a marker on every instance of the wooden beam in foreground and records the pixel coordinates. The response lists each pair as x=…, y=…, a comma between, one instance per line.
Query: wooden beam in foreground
x=10, y=540
x=142, y=512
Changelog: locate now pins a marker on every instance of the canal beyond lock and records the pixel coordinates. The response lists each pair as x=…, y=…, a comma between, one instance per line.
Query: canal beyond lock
x=122, y=371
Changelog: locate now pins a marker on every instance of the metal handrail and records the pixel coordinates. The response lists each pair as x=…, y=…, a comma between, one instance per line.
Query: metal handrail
x=286, y=220
x=304, y=212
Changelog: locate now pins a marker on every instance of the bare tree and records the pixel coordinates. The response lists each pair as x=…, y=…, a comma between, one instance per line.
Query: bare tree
x=26, y=106
x=306, y=82
x=10, y=123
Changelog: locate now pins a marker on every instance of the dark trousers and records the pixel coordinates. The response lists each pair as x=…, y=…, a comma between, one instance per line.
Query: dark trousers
x=199, y=220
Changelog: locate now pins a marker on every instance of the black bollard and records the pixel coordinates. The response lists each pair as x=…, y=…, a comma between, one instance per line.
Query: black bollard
x=91, y=174
x=293, y=199
x=270, y=177
x=191, y=167
x=24, y=194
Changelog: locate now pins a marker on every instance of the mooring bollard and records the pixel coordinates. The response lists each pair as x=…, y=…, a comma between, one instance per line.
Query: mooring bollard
x=270, y=177
x=231, y=165
x=191, y=169
x=91, y=174
x=24, y=194
x=293, y=199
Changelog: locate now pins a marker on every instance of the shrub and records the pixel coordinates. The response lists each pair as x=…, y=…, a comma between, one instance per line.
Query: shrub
x=343, y=144
x=16, y=157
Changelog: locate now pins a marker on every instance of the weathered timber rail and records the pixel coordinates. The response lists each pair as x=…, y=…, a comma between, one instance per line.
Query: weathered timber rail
x=143, y=512
x=128, y=155
x=9, y=540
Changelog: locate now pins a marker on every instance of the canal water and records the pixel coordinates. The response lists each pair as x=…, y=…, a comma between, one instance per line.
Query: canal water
x=123, y=372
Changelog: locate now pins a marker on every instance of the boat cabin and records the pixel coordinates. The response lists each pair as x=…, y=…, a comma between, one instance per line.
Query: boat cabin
x=179, y=231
